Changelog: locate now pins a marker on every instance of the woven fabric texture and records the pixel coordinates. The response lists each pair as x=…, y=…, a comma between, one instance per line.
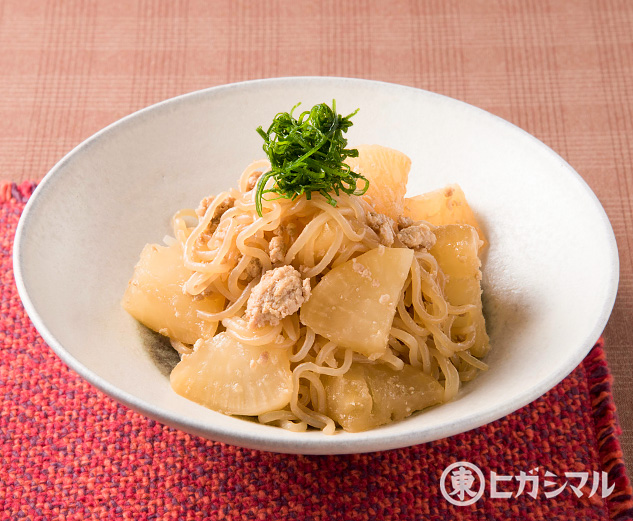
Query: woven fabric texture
x=67, y=451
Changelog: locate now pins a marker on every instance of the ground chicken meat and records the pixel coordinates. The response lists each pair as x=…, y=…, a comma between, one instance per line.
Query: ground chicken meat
x=405, y=222
x=252, y=180
x=226, y=204
x=280, y=293
x=204, y=206
x=417, y=236
x=291, y=231
x=252, y=270
x=383, y=226
x=277, y=249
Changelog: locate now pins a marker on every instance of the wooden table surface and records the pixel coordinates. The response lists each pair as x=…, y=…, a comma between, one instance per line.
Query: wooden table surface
x=560, y=69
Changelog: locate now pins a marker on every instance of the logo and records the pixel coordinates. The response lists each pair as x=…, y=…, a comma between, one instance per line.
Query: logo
x=467, y=484
x=464, y=476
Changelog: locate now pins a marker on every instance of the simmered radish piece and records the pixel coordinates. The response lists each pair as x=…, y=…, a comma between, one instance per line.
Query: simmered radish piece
x=348, y=399
x=154, y=296
x=353, y=304
x=233, y=378
x=371, y=395
x=456, y=251
x=447, y=205
x=397, y=394
x=388, y=172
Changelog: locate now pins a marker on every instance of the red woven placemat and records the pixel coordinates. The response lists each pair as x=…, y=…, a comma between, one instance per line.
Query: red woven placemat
x=67, y=451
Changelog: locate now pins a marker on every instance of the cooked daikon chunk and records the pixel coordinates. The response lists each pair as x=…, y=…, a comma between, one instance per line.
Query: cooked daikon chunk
x=456, y=249
x=371, y=395
x=234, y=378
x=349, y=401
x=154, y=296
x=387, y=171
x=447, y=205
x=397, y=394
x=354, y=304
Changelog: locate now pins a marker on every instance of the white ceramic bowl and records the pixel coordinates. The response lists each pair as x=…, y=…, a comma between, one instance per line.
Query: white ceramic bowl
x=550, y=275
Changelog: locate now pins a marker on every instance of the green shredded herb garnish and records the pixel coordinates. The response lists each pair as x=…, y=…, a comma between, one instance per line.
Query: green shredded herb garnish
x=306, y=155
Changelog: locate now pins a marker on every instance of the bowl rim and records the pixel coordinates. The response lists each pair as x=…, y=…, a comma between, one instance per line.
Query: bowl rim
x=306, y=443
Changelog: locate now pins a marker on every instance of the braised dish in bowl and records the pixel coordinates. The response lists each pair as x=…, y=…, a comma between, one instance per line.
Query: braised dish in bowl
x=83, y=230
